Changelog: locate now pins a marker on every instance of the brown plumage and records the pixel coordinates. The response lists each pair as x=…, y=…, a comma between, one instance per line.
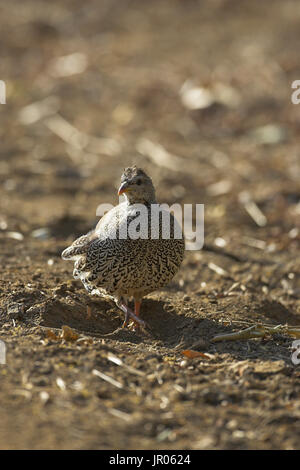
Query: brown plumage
x=122, y=268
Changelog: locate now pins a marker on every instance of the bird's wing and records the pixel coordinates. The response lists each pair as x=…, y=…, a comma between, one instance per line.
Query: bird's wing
x=78, y=247
x=104, y=229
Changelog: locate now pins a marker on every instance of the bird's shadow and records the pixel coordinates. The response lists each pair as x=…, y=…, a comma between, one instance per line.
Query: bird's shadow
x=168, y=325
x=177, y=330
x=101, y=318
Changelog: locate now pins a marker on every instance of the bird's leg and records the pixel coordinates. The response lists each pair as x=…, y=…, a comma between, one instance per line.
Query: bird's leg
x=129, y=313
x=126, y=319
x=137, y=306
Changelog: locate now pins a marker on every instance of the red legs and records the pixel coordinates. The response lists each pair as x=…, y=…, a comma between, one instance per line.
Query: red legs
x=137, y=306
x=128, y=313
x=122, y=304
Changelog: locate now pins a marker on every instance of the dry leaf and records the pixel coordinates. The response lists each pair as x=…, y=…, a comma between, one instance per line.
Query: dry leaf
x=191, y=354
x=68, y=334
x=51, y=335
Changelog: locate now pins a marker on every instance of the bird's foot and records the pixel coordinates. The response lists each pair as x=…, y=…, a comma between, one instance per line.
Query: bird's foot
x=128, y=313
x=126, y=320
x=134, y=326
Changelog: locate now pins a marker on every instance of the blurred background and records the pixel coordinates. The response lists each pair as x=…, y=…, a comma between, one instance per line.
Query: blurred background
x=198, y=93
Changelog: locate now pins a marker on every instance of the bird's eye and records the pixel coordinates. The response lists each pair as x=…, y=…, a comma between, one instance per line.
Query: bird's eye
x=139, y=182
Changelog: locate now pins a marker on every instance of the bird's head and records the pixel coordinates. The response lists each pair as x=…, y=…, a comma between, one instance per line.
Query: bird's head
x=137, y=186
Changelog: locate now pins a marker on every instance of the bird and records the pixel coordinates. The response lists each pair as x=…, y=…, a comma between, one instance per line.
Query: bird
x=112, y=263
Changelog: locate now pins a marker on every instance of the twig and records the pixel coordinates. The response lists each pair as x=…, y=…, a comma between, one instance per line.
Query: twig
x=160, y=156
x=252, y=209
x=258, y=331
x=116, y=360
x=107, y=378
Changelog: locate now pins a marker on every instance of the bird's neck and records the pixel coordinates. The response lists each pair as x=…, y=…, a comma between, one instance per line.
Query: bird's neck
x=140, y=200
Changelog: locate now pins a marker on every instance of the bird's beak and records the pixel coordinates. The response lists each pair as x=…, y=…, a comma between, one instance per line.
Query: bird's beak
x=124, y=188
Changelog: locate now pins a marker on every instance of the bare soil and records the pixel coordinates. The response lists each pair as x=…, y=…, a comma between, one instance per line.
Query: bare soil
x=242, y=394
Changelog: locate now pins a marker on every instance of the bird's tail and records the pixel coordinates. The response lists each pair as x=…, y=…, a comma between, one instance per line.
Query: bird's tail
x=73, y=252
x=78, y=248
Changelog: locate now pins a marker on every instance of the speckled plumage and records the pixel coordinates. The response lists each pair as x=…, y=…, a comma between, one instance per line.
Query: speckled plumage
x=125, y=268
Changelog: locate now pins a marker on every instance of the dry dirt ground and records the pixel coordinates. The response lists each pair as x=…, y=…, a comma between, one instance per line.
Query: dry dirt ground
x=129, y=93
